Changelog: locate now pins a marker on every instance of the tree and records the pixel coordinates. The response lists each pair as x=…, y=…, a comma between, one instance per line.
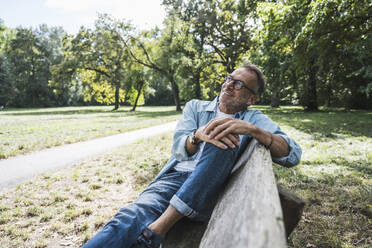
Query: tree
x=29, y=55
x=98, y=59
x=332, y=31
x=272, y=51
x=316, y=48
x=4, y=70
x=162, y=53
x=225, y=27
x=140, y=76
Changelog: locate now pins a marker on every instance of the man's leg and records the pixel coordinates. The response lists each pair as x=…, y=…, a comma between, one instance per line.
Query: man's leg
x=198, y=194
x=131, y=221
x=162, y=225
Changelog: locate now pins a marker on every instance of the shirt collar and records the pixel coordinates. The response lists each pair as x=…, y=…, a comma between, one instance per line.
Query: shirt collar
x=212, y=106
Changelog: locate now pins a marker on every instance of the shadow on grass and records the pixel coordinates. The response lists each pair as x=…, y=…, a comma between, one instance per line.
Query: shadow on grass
x=361, y=166
x=323, y=124
x=343, y=186
x=331, y=199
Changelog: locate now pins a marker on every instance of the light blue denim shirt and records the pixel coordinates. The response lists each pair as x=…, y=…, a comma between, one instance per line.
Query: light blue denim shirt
x=198, y=113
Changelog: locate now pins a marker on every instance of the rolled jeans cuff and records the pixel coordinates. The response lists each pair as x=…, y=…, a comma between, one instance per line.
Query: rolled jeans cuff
x=182, y=207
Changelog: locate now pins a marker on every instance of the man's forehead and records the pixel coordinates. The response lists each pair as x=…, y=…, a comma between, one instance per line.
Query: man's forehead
x=245, y=74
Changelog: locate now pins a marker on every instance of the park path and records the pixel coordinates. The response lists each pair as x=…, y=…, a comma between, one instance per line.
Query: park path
x=21, y=168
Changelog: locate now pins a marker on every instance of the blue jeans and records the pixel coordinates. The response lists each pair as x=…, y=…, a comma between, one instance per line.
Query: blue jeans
x=193, y=194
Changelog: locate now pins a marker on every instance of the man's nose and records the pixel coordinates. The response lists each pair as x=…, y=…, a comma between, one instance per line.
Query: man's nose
x=229, y=83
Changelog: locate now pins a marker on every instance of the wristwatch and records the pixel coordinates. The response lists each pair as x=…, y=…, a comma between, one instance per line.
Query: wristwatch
x=192, y=138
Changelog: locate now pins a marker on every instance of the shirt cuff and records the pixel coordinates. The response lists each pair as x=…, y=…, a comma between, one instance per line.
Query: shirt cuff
x=179, y=151
x=294, y=156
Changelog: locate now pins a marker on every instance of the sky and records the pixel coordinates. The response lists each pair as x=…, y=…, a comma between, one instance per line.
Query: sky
x=71, y=14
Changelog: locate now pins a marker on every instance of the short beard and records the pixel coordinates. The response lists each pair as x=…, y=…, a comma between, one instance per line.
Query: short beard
x=234, y=107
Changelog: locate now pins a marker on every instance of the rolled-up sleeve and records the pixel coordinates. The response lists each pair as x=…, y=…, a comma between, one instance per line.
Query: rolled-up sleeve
x=294, y=156
x=185, y=126
x=295, y=152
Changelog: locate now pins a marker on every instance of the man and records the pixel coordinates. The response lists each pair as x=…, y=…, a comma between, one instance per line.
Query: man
x=208, y=139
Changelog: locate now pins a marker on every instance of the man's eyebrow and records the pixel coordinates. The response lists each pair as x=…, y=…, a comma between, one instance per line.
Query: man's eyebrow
x=237, y=79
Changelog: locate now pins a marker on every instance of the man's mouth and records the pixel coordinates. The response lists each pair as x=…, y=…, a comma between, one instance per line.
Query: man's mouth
x=226, y=93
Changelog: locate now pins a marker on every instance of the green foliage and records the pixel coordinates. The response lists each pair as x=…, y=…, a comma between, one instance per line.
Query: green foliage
x=98, y=60
x=27, y=56
x=317, y=49
x=217, y=35
x=313, y=53
x=159, y=92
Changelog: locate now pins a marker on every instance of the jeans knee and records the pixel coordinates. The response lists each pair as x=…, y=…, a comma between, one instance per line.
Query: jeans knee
x=209, y=147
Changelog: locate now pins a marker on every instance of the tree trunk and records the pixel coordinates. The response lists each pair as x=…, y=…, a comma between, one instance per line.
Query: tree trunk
x=329, y=95
x=140, y=86
x=274, y=100
x=312, y=103
x=175, y=92
x=117, y=88
x=126, y=96
x=197, y=85
x=295, y=85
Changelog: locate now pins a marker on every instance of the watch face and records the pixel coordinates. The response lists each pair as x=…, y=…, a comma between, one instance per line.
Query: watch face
x=192, y=138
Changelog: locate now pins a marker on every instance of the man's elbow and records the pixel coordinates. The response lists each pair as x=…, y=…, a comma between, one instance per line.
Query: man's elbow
x=294, y=158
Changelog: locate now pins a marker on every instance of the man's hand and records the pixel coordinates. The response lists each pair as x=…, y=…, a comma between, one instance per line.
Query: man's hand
x=217, y=129
x=230, y=139
x=223, y=127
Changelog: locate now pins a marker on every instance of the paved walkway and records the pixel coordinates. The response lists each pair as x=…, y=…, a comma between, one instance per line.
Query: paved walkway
x=18, y=169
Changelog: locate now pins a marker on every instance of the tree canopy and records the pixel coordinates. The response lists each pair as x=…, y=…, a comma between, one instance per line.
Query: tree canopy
x=313, y=53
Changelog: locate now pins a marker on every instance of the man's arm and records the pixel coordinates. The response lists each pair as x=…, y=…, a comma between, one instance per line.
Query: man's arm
x=276, y=144
x=230, y=140
x=219, y=128
x=182, y=149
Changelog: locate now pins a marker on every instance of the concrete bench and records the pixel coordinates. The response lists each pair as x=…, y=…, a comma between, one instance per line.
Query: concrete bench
x=249, y=210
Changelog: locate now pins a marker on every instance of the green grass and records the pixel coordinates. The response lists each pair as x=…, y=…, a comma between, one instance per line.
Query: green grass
x=334, y=178
x=67, y=207
x=27, y=130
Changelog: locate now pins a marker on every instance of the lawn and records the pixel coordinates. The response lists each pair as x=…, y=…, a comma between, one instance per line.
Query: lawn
x=27, y=130
x=334, y=177
x=66, y=207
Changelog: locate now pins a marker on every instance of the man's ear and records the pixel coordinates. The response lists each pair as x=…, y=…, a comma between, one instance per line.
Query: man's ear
x=252, y=99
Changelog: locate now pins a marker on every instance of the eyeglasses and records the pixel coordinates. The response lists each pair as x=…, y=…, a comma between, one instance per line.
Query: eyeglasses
x=238, y=85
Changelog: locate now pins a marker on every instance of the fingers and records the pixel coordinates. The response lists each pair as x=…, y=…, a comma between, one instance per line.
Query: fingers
x=234, y=138
x=228, y=142
x=218, y=130
x=225, y=132
x=215, y=123
x=231, y=140
x=218, y=143
x=220, y=133
x=200, y=133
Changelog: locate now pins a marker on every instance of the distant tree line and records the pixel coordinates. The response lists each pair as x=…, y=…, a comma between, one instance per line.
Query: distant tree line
x=314, y=53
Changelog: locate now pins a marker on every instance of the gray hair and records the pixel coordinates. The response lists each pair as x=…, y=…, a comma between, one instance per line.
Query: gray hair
x=261, y=80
